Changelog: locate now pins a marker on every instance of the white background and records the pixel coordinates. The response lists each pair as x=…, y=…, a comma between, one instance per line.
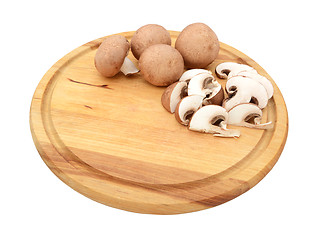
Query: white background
x=35, y=204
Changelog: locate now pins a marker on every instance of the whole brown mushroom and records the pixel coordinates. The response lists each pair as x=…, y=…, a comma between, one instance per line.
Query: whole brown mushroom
x=198, y=45
x=111, y=57
x=148, y=35
x=161, y=65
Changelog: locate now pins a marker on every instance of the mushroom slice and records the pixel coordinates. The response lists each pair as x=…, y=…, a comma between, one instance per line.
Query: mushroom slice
x=245, y=90
x=204, y=84
x=247, y=115
x=187, y=107
x=128, y=67
x=173, y=94
x=201, y=84
x=229, y=69
x=216, y=95
x=189, y=74
x=212, y=119
x=261, y=79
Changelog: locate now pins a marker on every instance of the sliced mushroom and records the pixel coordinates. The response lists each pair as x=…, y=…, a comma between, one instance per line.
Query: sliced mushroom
x=189, y=74
x=245, y=90
x=187, y=107
x=261, y=79
x=204, y=84
x=212, y=119
x=200, y=84
x=247, y=115
x=173, y=94
x=229, y=69
x=128, y=67
x=216, y=96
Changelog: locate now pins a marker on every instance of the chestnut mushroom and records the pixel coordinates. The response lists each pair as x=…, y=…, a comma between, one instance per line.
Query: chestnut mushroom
x=189, y=74
x=198, y=44
x=261, y=79
x=148, y=35
x=173, y=94
x=111, y=57
x=204, y=84
x=161, y=65
x=212, y=119
x=247, y=115
x=227, y=70
x=245, y=90
x=187, y=107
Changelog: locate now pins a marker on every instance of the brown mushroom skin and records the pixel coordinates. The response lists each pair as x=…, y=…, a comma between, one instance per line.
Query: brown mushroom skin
x=165, y=97
x=148, y=35
x=161, y=65
x=176, y=114
x=110, y=55
x=217, y=99
x=198, y=44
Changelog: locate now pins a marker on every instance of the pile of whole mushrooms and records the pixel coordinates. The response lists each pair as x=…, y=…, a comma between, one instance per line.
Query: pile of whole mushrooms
x=195, y=97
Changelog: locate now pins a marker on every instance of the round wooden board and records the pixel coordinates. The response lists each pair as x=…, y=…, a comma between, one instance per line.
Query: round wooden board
x=111, y=140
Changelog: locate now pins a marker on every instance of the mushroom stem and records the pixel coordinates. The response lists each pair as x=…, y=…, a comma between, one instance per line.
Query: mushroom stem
x=224, y=132
x=263, y=126
x=223, y=125
x=128, y=67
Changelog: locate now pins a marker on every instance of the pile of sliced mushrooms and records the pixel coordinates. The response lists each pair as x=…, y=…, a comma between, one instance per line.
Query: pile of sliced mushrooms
x=195, y=97
x=198, y=99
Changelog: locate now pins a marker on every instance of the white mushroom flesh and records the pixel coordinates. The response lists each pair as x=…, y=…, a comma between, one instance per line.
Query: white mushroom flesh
x=245, y=90
x=177, y=94
x=212, y=119
x=261, y=79
x=210, y=96
x=202, y=84
x=229, y=69
x=189, y=74
x=128, y=67
x=247, y=115
x=187, y=107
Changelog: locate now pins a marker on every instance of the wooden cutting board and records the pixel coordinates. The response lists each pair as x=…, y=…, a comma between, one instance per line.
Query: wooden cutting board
x=111, y=140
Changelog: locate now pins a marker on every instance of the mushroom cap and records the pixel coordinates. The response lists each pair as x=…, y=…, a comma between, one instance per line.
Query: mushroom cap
x=148, y=35
x=187, y=107
x=111, y=54
x=245, y=90
x=189, y=74
x=227, y=70
x=161, y=65
x=198, y=45
x=261, y=79
x=200, y=84
x=216, y=97
x=203, y=119
x=241, y=112
x=247, y=115
x=172, y=95
x=212, y=119
x=204, y=84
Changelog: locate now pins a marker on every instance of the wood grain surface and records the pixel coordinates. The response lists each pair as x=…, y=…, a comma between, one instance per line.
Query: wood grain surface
x=111, y=140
